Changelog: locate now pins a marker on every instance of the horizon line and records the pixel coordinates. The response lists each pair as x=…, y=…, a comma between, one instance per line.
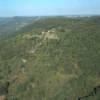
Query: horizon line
x=69, y=15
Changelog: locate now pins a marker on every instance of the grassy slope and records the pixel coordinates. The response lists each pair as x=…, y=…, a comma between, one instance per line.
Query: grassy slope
x=58, y=69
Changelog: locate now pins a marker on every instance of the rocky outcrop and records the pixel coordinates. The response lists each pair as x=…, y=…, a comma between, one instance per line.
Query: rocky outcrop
x=3, y=97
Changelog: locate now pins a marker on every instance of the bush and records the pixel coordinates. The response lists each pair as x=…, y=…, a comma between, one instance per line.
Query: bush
x=4, y=88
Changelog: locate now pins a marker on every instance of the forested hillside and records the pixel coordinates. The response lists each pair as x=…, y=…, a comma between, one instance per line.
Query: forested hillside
x=52, y=58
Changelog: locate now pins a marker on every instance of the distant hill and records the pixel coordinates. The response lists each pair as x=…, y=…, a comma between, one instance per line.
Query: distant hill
x=9, y=25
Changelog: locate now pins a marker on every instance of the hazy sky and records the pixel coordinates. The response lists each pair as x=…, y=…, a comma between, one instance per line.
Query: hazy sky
x=48, y=7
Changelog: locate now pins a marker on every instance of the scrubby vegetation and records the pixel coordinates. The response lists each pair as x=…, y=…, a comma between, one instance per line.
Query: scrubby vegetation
x=54, y=58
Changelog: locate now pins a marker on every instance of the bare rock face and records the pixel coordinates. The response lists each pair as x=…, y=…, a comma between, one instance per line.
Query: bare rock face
x=3, y=97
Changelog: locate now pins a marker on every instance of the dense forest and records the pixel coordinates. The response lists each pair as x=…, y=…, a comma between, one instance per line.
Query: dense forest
x=50, y=58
